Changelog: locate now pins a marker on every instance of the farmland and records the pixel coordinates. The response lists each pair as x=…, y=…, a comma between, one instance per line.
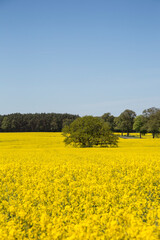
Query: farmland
x=49, y=191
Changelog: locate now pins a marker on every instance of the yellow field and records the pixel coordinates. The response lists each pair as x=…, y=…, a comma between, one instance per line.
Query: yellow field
x=49, y=191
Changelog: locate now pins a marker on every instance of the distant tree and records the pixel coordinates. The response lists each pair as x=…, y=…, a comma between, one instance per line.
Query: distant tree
x=150, y=112
x=16, y=122
x=152, y=116
x=107, y=117
x=38, y=122
x=89, y=131
x=125, y=121
x=1, y=119
x=6, y=124
x=140, y=125
x=154, y=126
x=66, y=122
x=54, y=124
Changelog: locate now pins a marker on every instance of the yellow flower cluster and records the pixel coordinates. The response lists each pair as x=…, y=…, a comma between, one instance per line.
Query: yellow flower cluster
x=49, y=191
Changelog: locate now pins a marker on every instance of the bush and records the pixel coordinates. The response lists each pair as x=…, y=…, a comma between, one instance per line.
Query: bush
x=89, y=131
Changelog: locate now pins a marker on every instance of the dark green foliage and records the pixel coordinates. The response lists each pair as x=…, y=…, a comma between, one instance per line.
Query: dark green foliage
x=149, y=121
x=125, y=121
x=38, y=122
x=107, y=117
x=140, y=125
x=89, y=131
x=152, y=118
x=5, y=124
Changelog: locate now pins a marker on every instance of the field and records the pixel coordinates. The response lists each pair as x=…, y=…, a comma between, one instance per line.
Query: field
x=49, y=191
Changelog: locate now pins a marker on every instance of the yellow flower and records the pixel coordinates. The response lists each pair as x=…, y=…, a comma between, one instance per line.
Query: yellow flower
x=51, y=192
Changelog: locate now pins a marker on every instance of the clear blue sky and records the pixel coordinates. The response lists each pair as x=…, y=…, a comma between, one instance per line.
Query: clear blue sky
x=84, y=57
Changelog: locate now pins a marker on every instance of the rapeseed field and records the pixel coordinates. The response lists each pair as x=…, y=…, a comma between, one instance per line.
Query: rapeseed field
x=49, y=191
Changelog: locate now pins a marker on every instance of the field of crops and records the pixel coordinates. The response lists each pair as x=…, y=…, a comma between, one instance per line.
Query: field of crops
x=49, y=191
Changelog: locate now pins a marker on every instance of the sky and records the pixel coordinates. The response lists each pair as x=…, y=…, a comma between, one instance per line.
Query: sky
x=85, y=57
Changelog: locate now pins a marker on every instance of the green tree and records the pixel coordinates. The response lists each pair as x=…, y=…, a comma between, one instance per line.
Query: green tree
x=152, y=116
x=66, y=122
x=1, y=119
x=89, y=131
x=6, y=124
x=150, y=112
x=125, y=121
x=54, y=124
x=107, y=117
x=140, y=125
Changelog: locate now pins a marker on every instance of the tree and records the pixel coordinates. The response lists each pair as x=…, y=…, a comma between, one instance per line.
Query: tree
x=38, y=122
x=89, y=131
x=125, y=121
x=139, y=125
x=150, y=111
x=1, y=119
x=152, y=116
x=107, y=117
x=66, y=122
x=154, y=126
x=6, y=124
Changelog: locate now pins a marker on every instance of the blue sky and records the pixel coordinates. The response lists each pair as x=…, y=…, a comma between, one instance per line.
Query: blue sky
x=84, y=57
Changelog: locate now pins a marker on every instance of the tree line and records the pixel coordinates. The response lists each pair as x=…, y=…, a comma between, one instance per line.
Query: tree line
x=38, y=122
x=126, y=122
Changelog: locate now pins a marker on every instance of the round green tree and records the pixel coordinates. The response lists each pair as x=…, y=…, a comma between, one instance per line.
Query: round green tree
x=89, y=131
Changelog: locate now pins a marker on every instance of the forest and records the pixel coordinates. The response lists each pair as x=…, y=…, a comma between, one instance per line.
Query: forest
x=127, y=122
x=38, y=122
